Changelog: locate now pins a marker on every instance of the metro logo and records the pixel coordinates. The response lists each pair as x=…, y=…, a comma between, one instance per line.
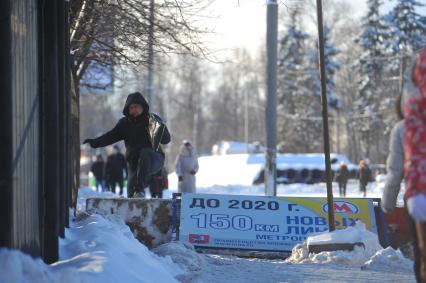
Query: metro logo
x=199, y=239
x=342, y=207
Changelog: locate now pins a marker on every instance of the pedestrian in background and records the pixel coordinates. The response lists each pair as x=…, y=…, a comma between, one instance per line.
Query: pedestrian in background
x=394, y=162
x=365, y=176
x=342, y=176
x=116, y=169
x=98, y=170
x=186, y=168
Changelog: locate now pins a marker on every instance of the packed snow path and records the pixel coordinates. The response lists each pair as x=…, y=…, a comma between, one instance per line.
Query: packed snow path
x=233, y=269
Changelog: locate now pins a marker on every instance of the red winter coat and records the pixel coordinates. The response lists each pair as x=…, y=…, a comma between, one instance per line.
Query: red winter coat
x=415, y=134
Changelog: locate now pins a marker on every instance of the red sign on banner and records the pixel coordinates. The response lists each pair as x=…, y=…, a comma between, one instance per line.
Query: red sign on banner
x=199, y=239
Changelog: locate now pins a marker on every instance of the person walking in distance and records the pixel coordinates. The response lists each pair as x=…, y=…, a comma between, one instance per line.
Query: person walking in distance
x=142, y=132
x=364, y=176
x=186, y=166
x=342, y=177
x=115, y=169
x=98, y=170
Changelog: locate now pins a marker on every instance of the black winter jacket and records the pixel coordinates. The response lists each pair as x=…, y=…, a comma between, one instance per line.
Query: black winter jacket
x=115, y=166
x=342, y=175
x=98, y=170
x=145, y=131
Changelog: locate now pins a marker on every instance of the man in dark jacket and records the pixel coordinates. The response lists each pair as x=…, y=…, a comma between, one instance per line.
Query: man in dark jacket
x=114, y=169
x=142, y=133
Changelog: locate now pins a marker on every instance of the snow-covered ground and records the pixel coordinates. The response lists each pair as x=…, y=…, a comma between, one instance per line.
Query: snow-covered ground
x=102, y=248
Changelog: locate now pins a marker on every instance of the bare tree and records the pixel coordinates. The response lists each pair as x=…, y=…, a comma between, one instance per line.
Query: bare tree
x=108, y=32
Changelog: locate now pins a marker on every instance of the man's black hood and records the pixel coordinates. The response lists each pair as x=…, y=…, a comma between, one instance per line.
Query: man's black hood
x=135, y=98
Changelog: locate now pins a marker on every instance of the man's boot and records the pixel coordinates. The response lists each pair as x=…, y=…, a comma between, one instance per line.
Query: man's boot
x=138, y=194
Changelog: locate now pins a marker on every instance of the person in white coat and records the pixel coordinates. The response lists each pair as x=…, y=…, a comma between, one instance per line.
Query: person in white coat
x=186, y=168
x=394, y=163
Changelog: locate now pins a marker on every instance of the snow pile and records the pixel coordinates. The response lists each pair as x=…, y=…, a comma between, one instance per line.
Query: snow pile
x=242, y=169
x=103, y=249
x=371, y=256
x=96, y=249
x=184, y=255
x=388, y=259
x=16, y=266
x=234, y=147
x=374, y=190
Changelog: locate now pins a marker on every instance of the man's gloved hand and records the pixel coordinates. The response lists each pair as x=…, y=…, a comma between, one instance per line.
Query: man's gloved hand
x=180, y=178
x=89, y=141
x=416, y=206
x=193, y=172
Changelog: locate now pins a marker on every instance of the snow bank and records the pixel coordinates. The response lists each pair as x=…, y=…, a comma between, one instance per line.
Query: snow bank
x=103, y=249
x=371, y=256
x=353, y=234
x=243, y=169
x=96, y=249
x=388, y=259
x=16, y=266
x=184, y=255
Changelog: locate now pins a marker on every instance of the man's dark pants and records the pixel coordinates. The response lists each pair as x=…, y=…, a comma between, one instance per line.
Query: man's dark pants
x=142, y=168
x=114, y=182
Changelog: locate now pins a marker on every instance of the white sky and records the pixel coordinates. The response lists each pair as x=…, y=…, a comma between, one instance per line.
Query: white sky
x=242, y=23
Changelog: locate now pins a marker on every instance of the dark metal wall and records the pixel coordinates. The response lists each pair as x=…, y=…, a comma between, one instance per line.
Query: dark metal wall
x=34, y=124
x=21, y=139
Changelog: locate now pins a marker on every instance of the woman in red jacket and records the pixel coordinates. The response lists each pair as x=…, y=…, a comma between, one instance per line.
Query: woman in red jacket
x=415, y=164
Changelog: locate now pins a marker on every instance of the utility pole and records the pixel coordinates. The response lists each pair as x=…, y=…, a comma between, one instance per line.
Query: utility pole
x=331, y=223
x=246, y=122
x=150, y=53
x=271, y=104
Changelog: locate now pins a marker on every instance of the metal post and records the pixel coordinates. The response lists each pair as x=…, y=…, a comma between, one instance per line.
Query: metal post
x=150, y=53
x=61, y=115
x=246, y=121
x=50, y=128
x=271, y=106
x=6, y=136
x=331, y=223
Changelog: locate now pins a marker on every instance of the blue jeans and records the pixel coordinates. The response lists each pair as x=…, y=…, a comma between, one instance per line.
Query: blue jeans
x=141, y=171
x=100, y=183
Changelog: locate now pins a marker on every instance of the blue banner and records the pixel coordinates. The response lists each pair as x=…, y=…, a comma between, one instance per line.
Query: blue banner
x=264, y=223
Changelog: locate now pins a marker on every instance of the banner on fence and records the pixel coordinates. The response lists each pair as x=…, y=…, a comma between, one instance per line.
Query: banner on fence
x=264, y=223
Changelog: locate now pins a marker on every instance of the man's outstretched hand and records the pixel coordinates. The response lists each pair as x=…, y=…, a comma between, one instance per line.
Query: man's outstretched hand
x=89, y=141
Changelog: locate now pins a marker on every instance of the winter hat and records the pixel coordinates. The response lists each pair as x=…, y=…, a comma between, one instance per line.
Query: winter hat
x=135, y=98
x=187, y=142
x=420, y=72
